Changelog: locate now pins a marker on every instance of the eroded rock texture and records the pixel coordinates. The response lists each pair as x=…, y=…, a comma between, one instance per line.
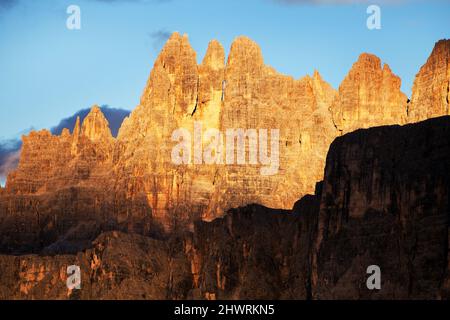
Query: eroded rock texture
x=50, y=163
x=234, y=257
x=431, y=93
x=63, y=193
x=385, y=198
x=369, y=96
x=255, y=253
x=118, y=266
x=384, y=202
x=241, y=94
x=133, y=179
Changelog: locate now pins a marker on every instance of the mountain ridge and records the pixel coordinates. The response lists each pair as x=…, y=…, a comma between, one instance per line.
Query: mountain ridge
x=136, y=171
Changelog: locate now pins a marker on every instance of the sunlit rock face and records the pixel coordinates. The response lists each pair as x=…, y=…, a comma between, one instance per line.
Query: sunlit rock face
x=384, y=201
x=256, y=96
x=134, y=181
x=51, y=163
x=241, y=94
x=431, y=93
x=369, y=96
x=63, y=194
x=178, y=93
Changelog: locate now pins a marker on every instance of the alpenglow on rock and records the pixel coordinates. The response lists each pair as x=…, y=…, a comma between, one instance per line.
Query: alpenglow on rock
x=243, y=93
x=431, y=90
x=369, y=96
x=383, y=201
x=133, y=181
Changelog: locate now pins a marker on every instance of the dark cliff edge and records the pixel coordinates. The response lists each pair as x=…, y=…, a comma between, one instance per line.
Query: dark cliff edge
x=384, y=201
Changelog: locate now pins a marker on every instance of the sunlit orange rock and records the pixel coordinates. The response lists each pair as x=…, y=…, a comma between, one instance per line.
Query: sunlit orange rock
x=369, y=96
x=135, y=174
x=431, y=93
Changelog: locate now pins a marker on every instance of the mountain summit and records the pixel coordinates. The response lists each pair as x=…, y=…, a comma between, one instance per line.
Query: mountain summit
x=142, y=188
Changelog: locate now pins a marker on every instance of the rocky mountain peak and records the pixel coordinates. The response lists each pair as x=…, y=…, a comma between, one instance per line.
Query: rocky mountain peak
x=367, y=60
x=430, y=93
x=308, y=113
x=174, y=78
x=215, y=56
x=65, y=133
x=316, y=75
x=442, y=47
x=77, y=128
x=95, y=126
x=369, y=96
x=245, y=55
x=175, y=52
x=66, y=191
x=323, y=91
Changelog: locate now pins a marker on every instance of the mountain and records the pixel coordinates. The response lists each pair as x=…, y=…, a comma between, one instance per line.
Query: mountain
x=209, y=218
x=10, y=148
x=241, y=93
x=369, y=96
x=383, y=201
x=431, y=93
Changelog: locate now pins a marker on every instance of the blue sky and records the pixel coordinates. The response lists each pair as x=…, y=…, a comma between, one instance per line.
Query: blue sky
x=49, y=72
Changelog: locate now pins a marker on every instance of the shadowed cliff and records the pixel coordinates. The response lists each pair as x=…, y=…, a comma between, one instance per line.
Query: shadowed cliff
x=89, y=197
x=385, y=201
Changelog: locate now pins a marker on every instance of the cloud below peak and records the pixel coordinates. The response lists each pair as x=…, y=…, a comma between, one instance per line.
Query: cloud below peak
x=9, y=157
x=114, y=116
x=10, y=149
